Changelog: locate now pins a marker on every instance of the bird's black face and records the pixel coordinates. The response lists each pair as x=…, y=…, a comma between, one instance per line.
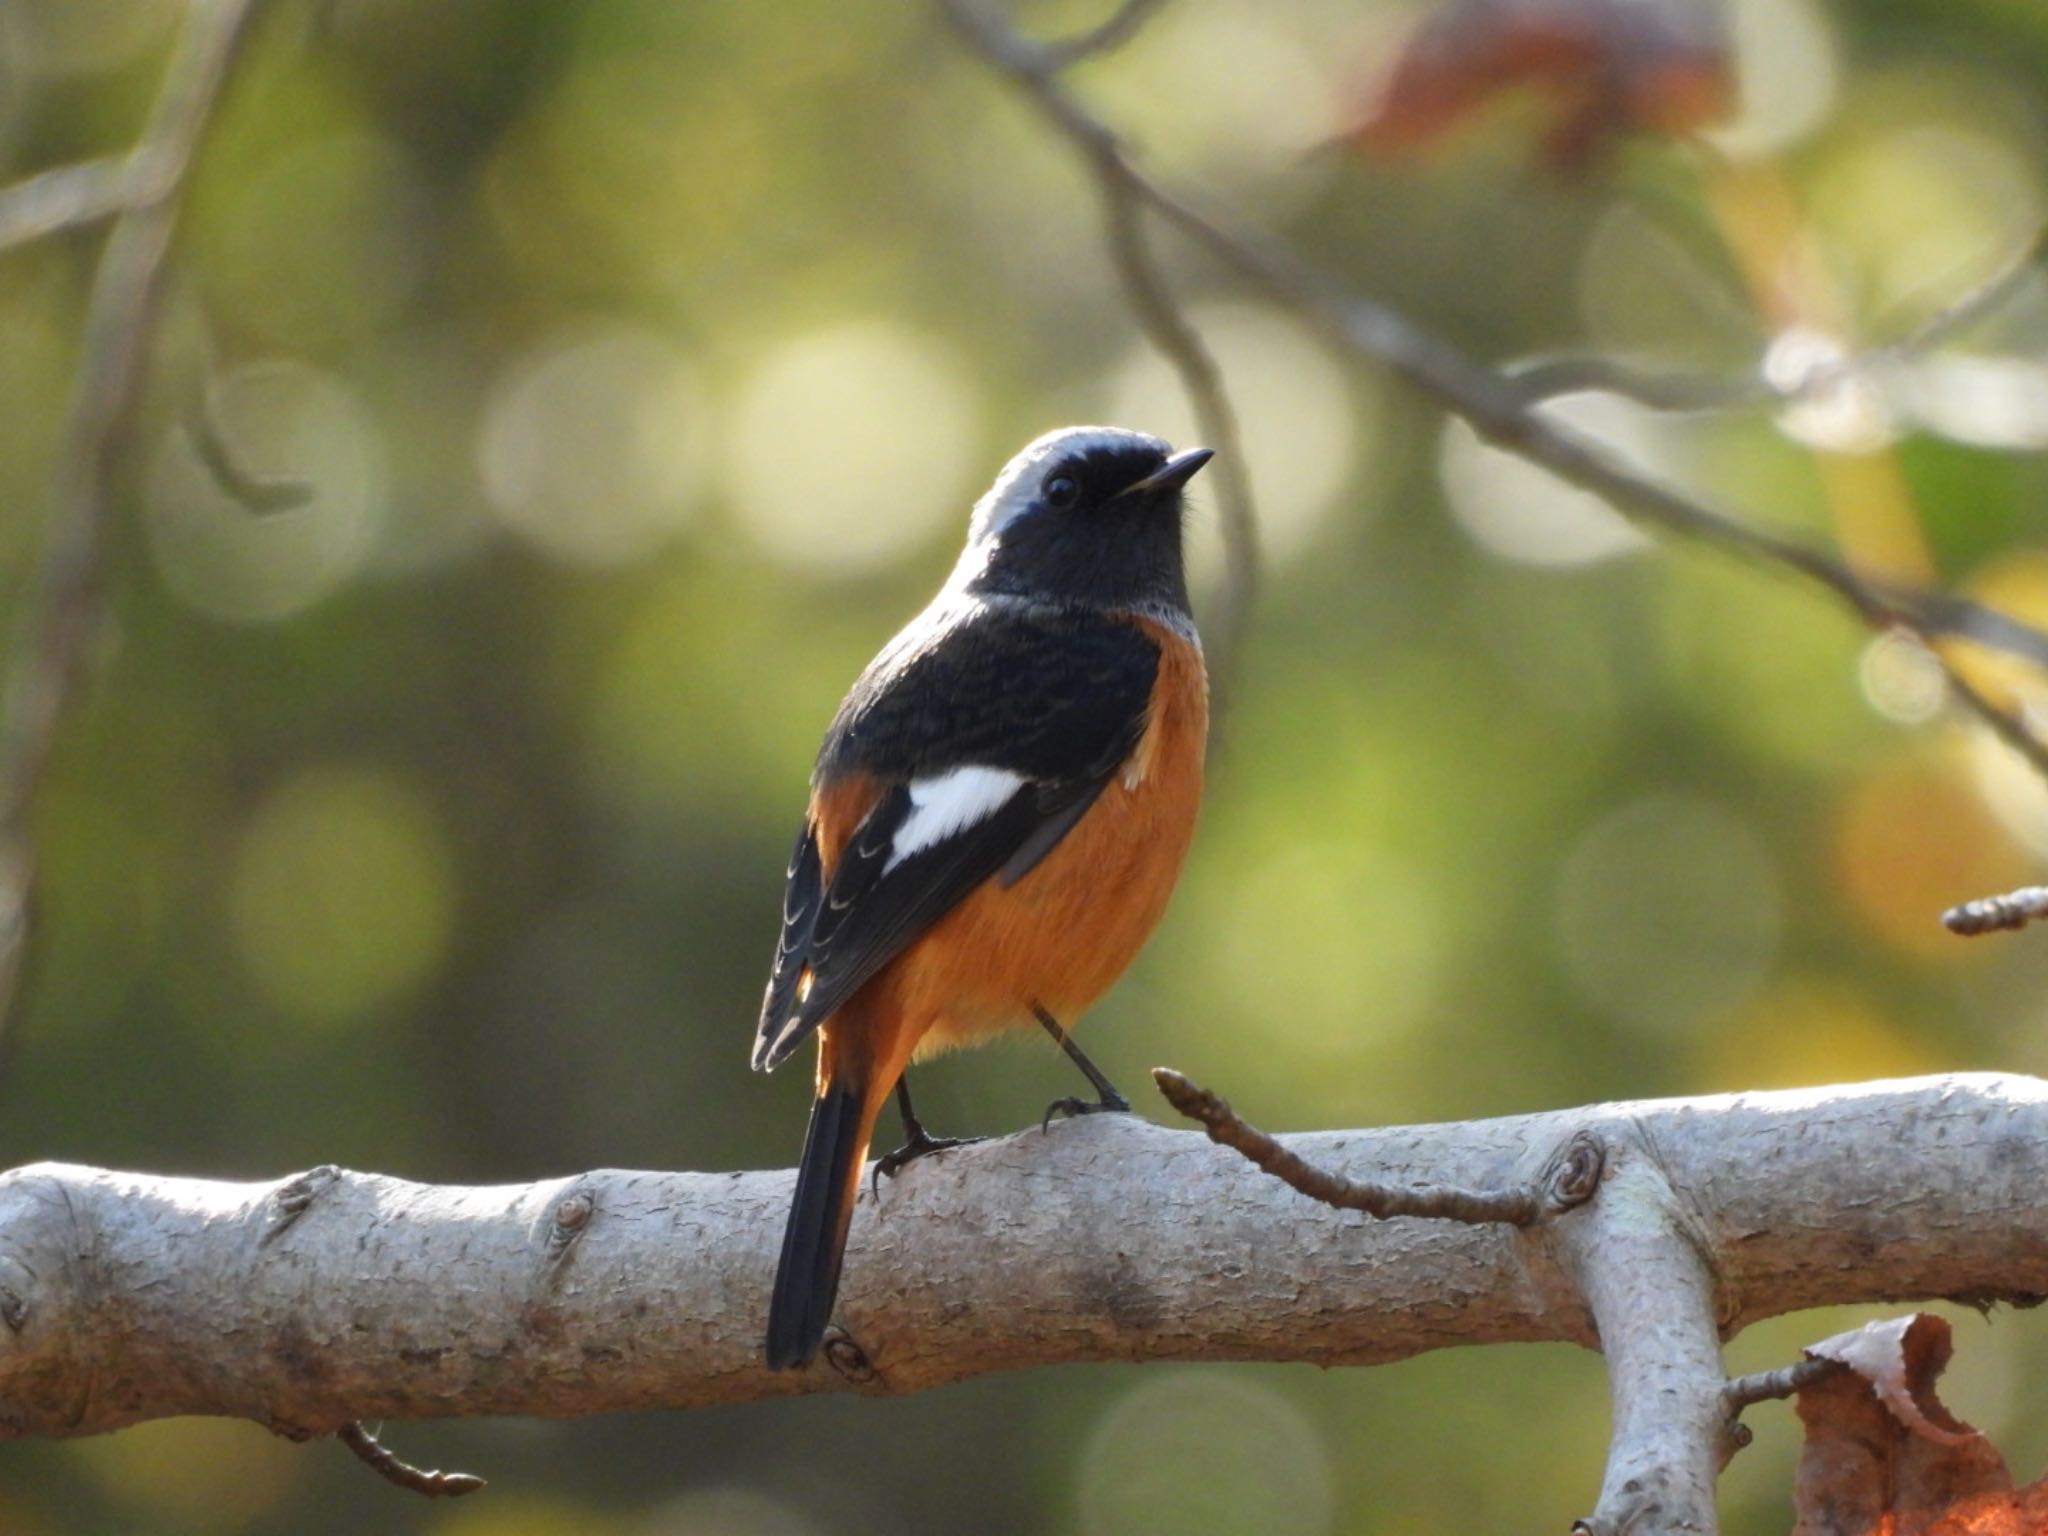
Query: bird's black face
x=1089, y=516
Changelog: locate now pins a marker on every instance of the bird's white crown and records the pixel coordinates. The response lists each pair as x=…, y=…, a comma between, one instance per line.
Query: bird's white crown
x=1017, y=487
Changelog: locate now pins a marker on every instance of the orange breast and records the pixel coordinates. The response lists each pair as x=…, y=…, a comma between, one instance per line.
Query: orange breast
x=1066, y=931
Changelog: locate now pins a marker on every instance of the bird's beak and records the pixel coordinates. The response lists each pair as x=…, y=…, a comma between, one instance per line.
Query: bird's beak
x=1173, y=474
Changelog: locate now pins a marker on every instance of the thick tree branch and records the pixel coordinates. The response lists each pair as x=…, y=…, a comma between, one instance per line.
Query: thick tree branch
x=341, y=1297
x=1646, y=1273
x=1648, y=1279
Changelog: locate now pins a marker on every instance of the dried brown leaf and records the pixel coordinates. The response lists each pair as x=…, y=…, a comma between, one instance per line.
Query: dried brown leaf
x=1901, y=1358
x=1883, y=1457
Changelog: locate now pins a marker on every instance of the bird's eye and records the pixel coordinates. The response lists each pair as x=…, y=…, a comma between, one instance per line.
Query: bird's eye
x=1062, y=491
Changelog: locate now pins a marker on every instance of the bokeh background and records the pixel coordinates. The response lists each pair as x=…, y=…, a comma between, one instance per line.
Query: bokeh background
x=644, y=359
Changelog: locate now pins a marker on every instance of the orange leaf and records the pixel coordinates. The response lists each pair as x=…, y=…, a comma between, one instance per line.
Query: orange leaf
x=1605, y=68
x=2024, y=1513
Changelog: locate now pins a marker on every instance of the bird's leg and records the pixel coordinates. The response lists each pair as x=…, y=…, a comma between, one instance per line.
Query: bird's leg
x=917, y=1141
x=1109, y=1100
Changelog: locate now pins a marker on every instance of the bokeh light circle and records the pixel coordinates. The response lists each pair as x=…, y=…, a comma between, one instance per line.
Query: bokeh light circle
x=850, y=446
x=342, y=893
x=1197, y=1453
x=1830, y=406
x=592, y=448
x=1902, y=679
x=1976, y=196
x=1306, y=423
x=1987, y=402
x=1290, y=948
x=1238, y=98
x=1521, y=512
x=278, y=421
x=727, y=1511
x=1787, y=76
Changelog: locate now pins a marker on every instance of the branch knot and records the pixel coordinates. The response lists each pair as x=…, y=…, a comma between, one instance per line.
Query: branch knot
x=846, y=1357
x=292, y=1199
x=1574, y=1172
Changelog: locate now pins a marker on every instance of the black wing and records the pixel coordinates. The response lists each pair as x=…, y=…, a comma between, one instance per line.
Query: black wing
x=803, y=896
x=1060, y=699
x=1049, y=693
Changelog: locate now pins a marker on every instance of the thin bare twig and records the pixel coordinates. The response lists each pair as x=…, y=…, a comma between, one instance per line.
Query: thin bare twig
x=2008, y=725
x=1122, y=25
x=1493, y=405
x=1181, y=344
x=1167, y=327
x=63, y=609
x=69, y=197
x=379, y=1459
x=1550, y=375
x=1517, y=1207
x=261, y=495
x=1992, y=914
x=1547, y=377
x=1744, y=1391
x=1985, y=298
x=1958, y=618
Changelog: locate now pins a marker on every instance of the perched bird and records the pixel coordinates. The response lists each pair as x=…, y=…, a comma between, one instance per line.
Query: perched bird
x=997, y=816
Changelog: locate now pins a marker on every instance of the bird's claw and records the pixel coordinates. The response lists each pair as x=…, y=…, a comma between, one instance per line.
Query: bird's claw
x=889, y=1164
x=1066, y=1109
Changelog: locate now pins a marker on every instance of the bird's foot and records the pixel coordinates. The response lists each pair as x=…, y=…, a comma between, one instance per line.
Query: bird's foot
x=921, y=1144
x=1111, y=1103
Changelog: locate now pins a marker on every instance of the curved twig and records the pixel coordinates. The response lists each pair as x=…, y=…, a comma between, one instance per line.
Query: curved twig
x=1494, y=405
x=387, y=1464
x=1181, y=344
x=55, y=640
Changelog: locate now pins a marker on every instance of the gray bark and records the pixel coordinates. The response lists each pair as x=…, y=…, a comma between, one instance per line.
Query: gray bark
x=342, y=1296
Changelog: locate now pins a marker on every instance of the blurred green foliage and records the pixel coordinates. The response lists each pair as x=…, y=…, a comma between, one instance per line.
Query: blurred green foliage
x=644, y=359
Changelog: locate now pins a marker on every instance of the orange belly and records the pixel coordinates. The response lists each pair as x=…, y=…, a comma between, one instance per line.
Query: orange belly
x=1060, y=936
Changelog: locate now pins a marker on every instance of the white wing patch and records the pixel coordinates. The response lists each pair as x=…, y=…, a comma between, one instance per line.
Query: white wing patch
x=949, y=803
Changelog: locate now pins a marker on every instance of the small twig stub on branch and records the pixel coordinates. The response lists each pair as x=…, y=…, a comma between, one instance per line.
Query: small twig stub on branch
x=387, y=1465
x=1570, y=1179
x=1993, y=914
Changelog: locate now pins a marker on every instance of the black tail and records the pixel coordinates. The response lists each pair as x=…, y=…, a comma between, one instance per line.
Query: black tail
x=827, y=1179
